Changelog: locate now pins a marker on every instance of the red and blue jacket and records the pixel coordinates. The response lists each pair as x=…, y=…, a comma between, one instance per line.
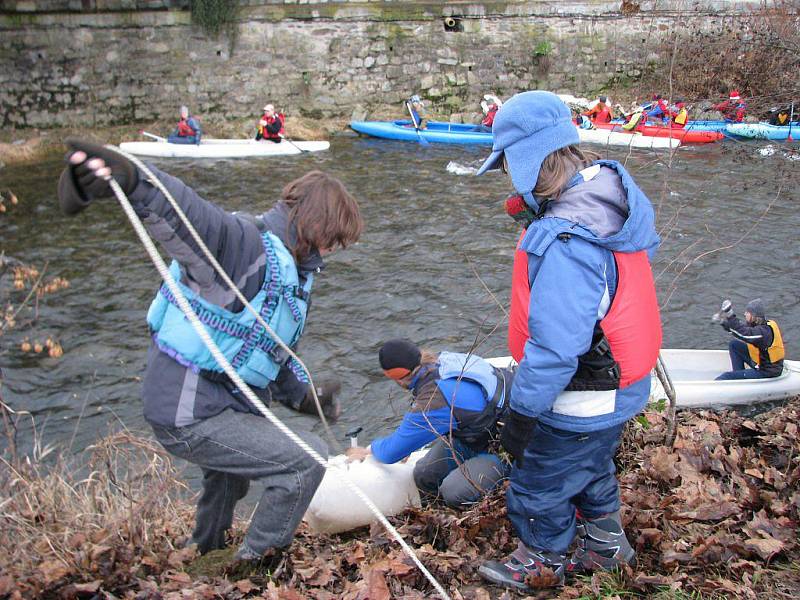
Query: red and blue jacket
x=581, y=271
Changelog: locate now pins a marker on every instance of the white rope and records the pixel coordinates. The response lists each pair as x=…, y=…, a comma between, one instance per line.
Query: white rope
x=163, y=270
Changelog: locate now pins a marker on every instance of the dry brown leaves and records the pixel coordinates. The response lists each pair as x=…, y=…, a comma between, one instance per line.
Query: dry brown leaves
x=717, y=514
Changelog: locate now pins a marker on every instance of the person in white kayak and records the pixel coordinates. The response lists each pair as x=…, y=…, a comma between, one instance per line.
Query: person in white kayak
x=188, y=130
x=271, y=125
x=757, y=342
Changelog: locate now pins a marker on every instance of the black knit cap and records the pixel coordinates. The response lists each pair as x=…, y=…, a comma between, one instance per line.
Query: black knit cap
x=400, y=354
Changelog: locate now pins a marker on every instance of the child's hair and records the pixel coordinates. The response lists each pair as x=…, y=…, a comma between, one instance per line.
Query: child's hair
x=558, y=168
x=323, y=212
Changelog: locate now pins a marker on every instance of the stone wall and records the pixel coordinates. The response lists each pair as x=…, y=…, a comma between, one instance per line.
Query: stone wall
x=98, y=62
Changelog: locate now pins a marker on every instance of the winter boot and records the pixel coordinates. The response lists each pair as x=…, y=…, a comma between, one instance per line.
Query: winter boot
x=326, y=390
x=601, y=545
x=526, y=569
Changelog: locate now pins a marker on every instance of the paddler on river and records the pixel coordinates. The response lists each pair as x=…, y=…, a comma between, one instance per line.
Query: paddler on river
x=271, y=125
x=456, y=401
x=757, y=342
x=188, y=130
x=195, y=410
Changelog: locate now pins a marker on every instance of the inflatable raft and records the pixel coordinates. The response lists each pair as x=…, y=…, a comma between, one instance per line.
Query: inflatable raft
x=765, y=131
x=221, y=148
x=685, y=136
x=458, y=133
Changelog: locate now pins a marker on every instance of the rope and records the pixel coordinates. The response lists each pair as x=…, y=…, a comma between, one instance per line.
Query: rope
x=183, y=303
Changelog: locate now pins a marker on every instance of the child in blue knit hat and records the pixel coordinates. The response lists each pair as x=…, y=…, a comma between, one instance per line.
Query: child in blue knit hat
x=584, y=327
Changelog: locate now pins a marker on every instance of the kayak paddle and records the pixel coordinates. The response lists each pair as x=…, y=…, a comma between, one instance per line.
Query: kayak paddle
x=157, y=138
x=421, y=139
x=283, y=137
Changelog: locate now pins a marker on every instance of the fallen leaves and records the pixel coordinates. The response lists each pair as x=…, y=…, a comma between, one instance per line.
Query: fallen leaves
x=709, y=516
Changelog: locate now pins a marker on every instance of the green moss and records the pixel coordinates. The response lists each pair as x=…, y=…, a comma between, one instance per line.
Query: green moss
x=542, y=48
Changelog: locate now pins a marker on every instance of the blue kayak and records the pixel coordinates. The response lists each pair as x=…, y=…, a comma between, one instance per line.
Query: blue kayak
x=448, y=133
x=765, y=131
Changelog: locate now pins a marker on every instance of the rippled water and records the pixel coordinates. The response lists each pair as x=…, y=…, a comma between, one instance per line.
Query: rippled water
x=435, y=241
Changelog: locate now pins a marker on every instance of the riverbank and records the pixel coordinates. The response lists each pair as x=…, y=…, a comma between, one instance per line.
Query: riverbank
x=716, y=516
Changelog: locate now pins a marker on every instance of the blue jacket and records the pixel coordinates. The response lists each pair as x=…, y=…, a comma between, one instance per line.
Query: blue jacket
x=572, y=281
x=450, y=397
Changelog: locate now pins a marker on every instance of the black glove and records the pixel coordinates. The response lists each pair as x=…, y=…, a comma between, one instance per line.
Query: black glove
x=78, y=184
x=516, y=434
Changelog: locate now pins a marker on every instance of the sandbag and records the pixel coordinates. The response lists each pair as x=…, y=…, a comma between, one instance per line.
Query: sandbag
x=335, y=507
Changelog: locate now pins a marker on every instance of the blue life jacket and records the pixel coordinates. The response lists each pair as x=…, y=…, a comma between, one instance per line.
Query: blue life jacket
x=282, y=302
x=475, y=390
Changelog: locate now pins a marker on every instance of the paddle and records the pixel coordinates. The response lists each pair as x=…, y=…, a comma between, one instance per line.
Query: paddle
x=157, y=138
x=421, y=139
x=283, y=137
x=791, y=116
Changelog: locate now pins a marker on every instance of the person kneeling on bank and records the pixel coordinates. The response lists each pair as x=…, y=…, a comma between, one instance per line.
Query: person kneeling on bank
x=757, y=343
x=457, y=400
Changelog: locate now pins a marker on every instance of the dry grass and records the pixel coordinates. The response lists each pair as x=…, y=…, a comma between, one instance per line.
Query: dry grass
x=102, y=517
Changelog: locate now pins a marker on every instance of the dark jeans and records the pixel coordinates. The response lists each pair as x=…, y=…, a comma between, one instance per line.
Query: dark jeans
x=233, y=449
x=562, y=470
x=438, y=473
x=739, y=358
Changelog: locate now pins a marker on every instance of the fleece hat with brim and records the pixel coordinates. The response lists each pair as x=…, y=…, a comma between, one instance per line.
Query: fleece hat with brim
x=529, y=127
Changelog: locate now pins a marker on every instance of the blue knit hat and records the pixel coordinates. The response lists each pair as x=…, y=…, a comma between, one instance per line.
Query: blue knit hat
x=528, y=128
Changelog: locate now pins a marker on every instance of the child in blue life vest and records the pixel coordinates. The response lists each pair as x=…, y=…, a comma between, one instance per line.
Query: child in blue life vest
x=584, y=327
x=188, y=130
x=195, y=410
x=456, y=402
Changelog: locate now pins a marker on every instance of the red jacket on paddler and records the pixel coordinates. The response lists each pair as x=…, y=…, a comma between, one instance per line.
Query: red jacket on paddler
x=271, y=126
x=600, y=112
x=488, y=120
x=734, y=108
x=184, y=129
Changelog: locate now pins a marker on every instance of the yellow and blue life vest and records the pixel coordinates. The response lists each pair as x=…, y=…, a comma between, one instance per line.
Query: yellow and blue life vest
x=768, y=356
x=282, y=302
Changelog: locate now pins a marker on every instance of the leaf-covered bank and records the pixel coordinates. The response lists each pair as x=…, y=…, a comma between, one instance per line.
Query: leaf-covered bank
x=716, y=516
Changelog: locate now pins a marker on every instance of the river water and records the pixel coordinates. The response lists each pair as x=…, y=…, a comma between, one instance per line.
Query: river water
x=432, y=265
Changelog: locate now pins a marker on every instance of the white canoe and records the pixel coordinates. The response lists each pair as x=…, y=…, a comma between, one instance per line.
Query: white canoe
x=619, y=138
x=222, y=148
x=693, y=372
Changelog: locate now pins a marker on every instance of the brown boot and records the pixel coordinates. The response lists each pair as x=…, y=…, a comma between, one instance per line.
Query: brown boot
x=326, y=391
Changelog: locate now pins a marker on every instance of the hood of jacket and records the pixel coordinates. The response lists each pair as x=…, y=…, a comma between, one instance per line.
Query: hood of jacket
x=603, y=205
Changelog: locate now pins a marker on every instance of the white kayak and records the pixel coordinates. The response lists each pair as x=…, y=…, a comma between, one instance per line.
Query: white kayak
x=621, y=138
x=222, y=148
x=693, y=374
